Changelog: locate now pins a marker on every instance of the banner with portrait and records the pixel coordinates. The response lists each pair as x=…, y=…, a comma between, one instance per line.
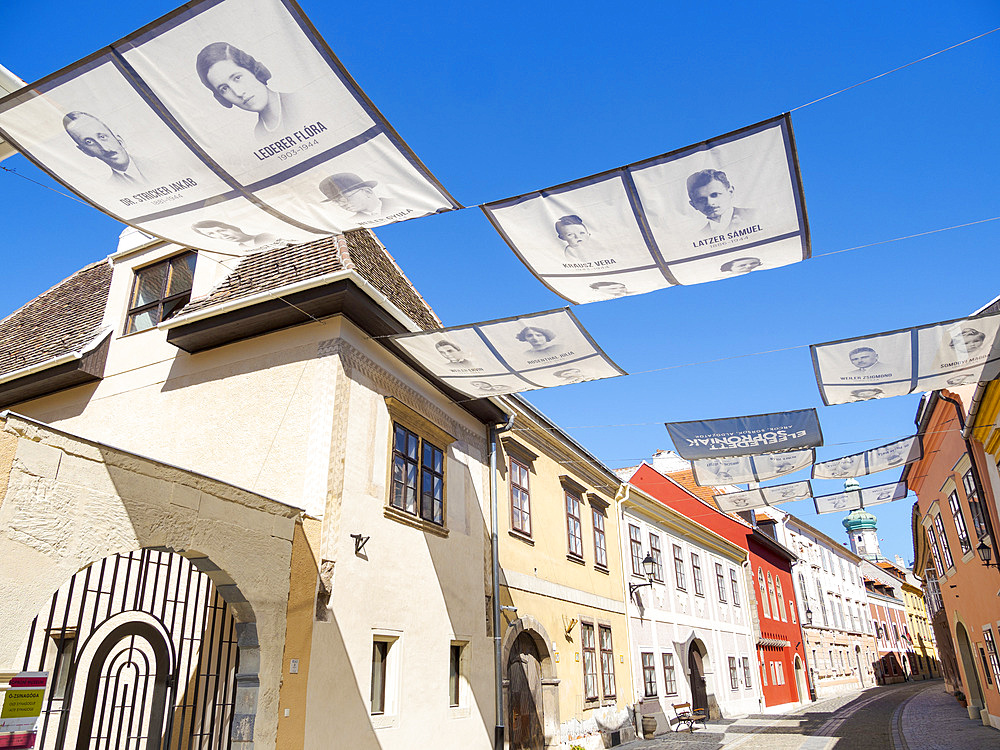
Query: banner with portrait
x=734, y=502
x=843, y=502
x=226, y=125
x=925, y=358
x=744, y=436
x=890, y=456
x=510, y=355
x=717, y=471
x=714, y=210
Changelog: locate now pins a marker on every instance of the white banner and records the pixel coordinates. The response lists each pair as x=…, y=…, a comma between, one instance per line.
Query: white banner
x=843, y=502
x=511, y=354
x=733, y=502
x=715, y=210
x=714, y=472
x=925, y=358
x=226, y=126
x=890, y=456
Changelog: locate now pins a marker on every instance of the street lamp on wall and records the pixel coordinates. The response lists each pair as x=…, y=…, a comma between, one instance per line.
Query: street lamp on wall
x=809, y=615
x=648, y=564
x=985, y=553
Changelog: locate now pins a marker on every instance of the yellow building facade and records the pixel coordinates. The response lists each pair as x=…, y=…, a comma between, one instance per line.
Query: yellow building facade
x=564, y=659
x=920, y=630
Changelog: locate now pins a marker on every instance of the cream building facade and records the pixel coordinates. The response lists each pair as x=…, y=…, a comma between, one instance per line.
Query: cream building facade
x=691, y=627
x=833, y=607
x=268, y=436
x=566, y=677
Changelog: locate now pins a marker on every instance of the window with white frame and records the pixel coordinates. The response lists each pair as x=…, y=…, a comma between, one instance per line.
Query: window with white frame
x=679, y=568
x=735, y=586
x=720, y=582
x=699, y=585
x=654, y=551
x=669, y=677
x=734, y=679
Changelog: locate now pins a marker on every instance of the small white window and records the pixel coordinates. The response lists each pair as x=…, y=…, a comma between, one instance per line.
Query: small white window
x=384, y=680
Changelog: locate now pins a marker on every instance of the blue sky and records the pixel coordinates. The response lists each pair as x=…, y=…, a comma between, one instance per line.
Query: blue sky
x=502, y=99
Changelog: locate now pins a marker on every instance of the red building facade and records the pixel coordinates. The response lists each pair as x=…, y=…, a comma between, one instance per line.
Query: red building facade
x=780, y=652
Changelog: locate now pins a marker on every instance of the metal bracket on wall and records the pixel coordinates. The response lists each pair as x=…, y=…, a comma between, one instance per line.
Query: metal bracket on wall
x=359, y=543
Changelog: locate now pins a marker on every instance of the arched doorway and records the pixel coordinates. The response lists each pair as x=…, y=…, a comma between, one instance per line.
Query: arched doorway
x=696, y=675
x=800, y=680
x=530, y=686
x=975, y=690
x=525, y=718
x=142, y=653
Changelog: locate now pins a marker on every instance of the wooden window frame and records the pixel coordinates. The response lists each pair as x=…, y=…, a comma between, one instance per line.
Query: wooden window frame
x=434, y=438
x=591, y=650
x=607, y=661
x=517, y=510
x=720, y=581
x=746, y=671
x=600, y=538
x=964, y=540
x=696, y=577
x=943, y=541
x=975, y=504
x=679, y=568
x=648, y=673
x=635, y=549
x=734, y=582
x=166, y=299
x=657, y=555
x=572, y=502
x=669, y=674
x=734, y=675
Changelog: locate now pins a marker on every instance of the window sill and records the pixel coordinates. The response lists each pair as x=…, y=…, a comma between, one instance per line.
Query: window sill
x=459, y=712
x=415, y=521
x=601, y=569
x=526, y=538
x=381, y=721
x=575, y=558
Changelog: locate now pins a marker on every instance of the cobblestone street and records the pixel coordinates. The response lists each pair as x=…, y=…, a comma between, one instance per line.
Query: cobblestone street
x=910, y=716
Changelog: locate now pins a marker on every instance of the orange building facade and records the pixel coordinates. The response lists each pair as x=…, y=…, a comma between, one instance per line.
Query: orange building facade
x=955, y=515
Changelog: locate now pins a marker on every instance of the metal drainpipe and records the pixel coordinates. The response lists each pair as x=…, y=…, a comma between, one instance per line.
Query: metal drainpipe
x=498, y=729
x=975, y=474
x=747, y=567
x=620, y=499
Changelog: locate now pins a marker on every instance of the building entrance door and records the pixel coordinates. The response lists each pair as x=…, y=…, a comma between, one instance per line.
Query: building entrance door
x=699, y=695
x=524, y=716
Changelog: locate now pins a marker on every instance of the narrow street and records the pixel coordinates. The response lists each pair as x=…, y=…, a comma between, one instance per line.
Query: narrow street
x=898, y=717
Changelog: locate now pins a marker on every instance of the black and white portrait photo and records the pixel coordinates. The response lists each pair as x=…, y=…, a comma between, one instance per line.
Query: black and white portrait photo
x=740, y=266
x=883, y=493
x=584, y=230
x=740, y=190
x=735, y=502
x=966, y=378
x=838, y=503
x=238, y=79
x=521, y=353
x=784, y=493
x=95, y=139
x=712, y=194
x=866, y=394
x=361, y=199
x=774, y=465
x=866, y=367
x=220, y=230
x=95, y=133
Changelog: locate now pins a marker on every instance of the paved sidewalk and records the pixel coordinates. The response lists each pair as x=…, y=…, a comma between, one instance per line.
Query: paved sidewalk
x=933, y=720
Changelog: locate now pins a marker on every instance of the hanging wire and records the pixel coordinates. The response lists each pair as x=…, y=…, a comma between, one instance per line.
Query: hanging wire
x=41, y=184
x=901, y=67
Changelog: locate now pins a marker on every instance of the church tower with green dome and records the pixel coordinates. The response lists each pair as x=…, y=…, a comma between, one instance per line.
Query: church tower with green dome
x=861, y=528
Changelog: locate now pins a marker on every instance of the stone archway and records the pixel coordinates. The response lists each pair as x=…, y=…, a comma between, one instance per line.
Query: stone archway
x=66, y=502
x=972, y=686
x=800, y=680
x=529, y=670
x=699, y=669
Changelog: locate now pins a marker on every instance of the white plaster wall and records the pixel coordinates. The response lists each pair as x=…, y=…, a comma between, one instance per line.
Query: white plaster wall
x=672, y=615
x=408, y=583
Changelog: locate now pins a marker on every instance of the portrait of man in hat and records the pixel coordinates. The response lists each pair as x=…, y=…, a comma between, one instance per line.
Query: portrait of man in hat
x=358, y=197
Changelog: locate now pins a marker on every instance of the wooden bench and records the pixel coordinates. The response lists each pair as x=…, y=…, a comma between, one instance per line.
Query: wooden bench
x=684, y=715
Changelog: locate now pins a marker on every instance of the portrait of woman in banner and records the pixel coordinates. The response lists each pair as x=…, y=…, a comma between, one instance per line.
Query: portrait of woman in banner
x=237, y=79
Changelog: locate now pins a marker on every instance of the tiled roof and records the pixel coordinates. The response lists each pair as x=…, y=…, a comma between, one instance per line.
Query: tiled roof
x=358, y=250
x=62, y=320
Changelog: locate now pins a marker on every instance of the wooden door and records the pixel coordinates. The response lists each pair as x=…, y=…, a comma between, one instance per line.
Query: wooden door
x=524, y=715
x=699, y=696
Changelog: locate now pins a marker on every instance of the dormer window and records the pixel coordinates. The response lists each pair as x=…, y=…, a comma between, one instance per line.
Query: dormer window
x=159, y=291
